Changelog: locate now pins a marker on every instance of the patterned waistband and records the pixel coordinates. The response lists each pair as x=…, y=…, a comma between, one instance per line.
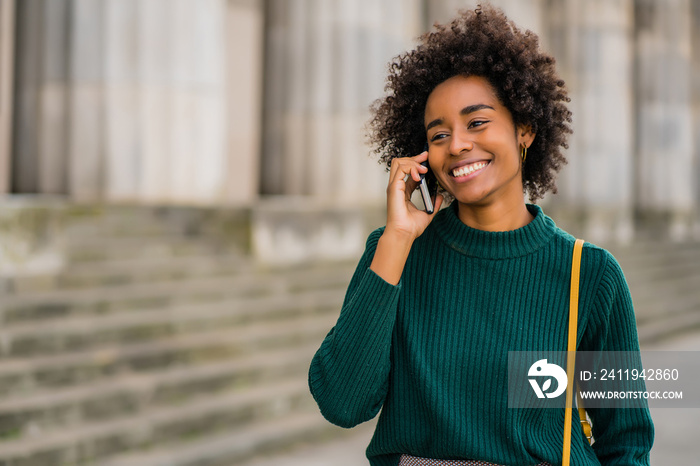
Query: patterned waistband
x=407, y=460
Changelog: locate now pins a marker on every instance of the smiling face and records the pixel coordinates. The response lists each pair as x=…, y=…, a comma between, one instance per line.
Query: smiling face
x=474, y=148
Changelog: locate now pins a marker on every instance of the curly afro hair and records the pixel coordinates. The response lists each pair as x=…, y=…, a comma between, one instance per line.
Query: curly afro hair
x=482, y=42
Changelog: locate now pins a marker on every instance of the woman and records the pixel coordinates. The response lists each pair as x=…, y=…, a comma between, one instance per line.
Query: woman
x=438, y=301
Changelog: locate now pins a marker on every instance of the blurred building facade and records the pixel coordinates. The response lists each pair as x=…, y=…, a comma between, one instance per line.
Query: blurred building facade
x=149, y=148
x=240, y=103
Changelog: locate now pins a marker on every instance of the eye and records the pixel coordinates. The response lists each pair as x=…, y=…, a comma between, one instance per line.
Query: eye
x=477, y=123
x=438, y=136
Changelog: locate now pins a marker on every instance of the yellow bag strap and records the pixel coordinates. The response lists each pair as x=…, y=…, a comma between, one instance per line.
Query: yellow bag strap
x=571, y=348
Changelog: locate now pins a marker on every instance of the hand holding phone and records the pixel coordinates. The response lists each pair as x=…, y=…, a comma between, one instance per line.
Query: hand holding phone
x=405, y=221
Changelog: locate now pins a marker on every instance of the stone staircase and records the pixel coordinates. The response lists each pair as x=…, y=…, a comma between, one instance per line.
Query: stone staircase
x=155, y=347
x=160, y=343
x=664, y=278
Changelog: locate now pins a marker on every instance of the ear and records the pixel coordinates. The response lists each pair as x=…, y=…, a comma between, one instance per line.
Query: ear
x=525, y=135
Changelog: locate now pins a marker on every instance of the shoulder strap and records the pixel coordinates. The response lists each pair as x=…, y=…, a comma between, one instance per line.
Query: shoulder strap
x=571, y=347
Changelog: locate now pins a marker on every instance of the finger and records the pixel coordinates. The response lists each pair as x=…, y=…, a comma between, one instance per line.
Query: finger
x=422, y=157
x=393, y=169
x=405, y=167
x=415, y=172
x=411, y=185
x=398, y=170
x=398, y=162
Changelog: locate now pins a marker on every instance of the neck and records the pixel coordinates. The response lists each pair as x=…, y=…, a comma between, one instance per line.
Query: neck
x=495, y=217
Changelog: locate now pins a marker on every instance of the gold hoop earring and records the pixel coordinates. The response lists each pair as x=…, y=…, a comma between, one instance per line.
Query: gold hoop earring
x=523, y=153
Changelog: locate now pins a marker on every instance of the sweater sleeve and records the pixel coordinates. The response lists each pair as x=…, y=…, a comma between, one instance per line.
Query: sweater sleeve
x=623, y=436
x=349, y=373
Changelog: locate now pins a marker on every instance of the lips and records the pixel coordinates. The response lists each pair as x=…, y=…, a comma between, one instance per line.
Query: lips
x=469, y=168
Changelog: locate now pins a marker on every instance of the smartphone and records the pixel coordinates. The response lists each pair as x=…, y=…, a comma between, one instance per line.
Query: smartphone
x=424, y=189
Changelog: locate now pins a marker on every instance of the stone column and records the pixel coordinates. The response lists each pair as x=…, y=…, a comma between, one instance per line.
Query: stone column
x=244, y=84
x=44, y=101
x=41, y=105
x=695, y=83
x=592, y=43
x=666, y=183
x=199, y=93
x=123, y=100
x=182, y=104
x=164, y=92
x=7, y=22
x=53, y=141
x=272, y=168
x=87, y=124
x=325, y=64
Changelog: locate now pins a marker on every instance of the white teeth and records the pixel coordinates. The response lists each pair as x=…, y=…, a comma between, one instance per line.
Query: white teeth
x=466, y=170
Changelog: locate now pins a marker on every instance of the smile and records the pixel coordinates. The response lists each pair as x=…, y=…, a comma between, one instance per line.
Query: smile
x=469, y=169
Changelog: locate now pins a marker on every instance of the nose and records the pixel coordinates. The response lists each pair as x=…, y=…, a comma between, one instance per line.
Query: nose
x=460, y=141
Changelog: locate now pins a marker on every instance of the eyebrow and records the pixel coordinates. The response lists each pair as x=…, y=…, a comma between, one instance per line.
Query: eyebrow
x=465, y=111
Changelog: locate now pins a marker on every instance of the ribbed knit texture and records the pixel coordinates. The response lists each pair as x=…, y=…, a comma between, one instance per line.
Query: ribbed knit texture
x=432, y=352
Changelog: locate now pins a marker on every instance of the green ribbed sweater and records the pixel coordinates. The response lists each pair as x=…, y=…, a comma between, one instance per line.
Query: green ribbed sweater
x=431, y=352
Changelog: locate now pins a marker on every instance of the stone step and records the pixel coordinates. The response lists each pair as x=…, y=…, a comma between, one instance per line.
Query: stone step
x=92, y=441
x=109, y=299
x=29, y=375
x=667, y=253
x=233, y=447
x=661, y=272
x=51, y=336
x=663, y=279
x=643, y=249
x=638, y=253
x=154, y=232
x=661, y=296
x=79, y=230
x=116, y=217
x=654, y=312
x=226, y=226
x=97, y=250
x=127, y=395
x=128, y=297
x=645, y=267
x=74, y=241
x=126, y=271
x=149, y=225
x=670, y=325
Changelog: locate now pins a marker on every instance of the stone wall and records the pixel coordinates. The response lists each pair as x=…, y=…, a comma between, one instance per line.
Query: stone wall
x=219, y=102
